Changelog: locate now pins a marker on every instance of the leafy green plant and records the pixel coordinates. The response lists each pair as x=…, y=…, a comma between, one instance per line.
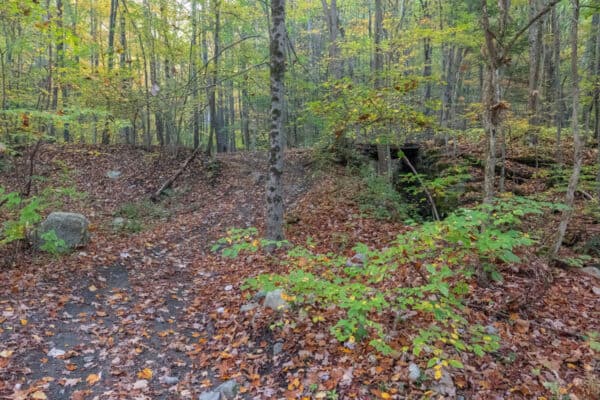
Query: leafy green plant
x=136, y=213
x=21, y=215
x=444, y=188
x=444, y=254
x=380, y=200
x=242, y=240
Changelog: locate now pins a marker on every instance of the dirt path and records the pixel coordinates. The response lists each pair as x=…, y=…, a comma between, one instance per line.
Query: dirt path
x=93, y=324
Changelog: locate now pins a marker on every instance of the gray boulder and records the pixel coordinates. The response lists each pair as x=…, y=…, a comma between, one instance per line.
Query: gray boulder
x=71, y=228
x=275, y=301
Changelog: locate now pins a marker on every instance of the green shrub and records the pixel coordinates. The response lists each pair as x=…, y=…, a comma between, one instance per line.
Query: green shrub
x=20, y=216
x=379, y=199
x=443, y=254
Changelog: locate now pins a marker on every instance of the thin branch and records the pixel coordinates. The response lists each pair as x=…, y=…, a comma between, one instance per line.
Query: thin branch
x=532, y=21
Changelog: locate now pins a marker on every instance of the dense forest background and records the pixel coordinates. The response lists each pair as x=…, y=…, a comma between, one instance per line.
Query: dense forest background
x=196, y=73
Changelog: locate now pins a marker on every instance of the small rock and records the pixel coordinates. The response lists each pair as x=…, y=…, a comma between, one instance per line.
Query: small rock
x=228, y=288
x=229, y=389
x=596, y=290
x=358, y=260
x=220, y=310
x=210, y=396
x=113, y=174
x=141, y=384
x=277, y=348
x=274, y=300
x=491, y=330
x=168, y=380
x=414, y=372
x=248, y=307
x=591, y=271
x=56, y=353
x=118, y=223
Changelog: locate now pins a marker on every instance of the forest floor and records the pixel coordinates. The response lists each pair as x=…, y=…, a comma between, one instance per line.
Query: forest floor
x=150, y=312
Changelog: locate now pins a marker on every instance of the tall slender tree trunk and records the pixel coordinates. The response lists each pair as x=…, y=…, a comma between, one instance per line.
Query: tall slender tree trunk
x=212, y=91
x=427, y=66
x=274, y=197
x=577, y=142
x=336, y=67
x=556, y=84
x=60, y=57
x=193, y=75
x=384, y=164
x=112, y=27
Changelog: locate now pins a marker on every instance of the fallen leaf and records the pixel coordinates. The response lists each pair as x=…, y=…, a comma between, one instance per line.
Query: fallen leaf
x=92, y=379
x=24, y=322
x=146, y=373
x=141, y=384
x=39, y=395
x=6, y=353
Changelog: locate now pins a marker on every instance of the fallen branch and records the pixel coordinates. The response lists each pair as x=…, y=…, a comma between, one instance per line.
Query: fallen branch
x=169, y=182
x=434, y=210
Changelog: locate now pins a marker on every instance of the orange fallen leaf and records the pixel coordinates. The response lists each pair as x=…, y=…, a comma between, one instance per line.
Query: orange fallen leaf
x=39, y=395
x=24, y=322
x=146, y=373
x=92, y=379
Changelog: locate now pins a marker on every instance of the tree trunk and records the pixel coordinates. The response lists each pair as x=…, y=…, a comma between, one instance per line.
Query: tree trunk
x=383, y=149
x=274, y=196
x=577, y=143
x=556, y=84
x=112, y=26
x=535, y=48
x=193, y=76
x=332, y=17
x=427, y=67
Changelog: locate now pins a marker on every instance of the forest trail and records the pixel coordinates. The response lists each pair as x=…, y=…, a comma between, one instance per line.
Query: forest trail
x=152, y=313
x=127, y=303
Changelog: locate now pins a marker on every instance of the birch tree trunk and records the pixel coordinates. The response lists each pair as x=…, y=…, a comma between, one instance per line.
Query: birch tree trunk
x=577, y=143
x=274, y=188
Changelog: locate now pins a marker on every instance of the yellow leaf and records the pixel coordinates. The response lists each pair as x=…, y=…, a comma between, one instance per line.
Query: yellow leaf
x=6, y=353
x=438, y=373
x=24, y=322
x=39, y=395
x=146, y=373
x=92, y=288
x=92, y=379
x=385, y=395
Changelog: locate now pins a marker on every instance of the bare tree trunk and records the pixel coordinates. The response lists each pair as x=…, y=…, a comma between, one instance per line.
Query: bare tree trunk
x=212, y=91
x=275, y=206
x=383, y=149
x=535, y=48
x=332, y=17
x=427, y=67
x=112, y=27
x=558, y=101
x=578, y=145
x=193, y=76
